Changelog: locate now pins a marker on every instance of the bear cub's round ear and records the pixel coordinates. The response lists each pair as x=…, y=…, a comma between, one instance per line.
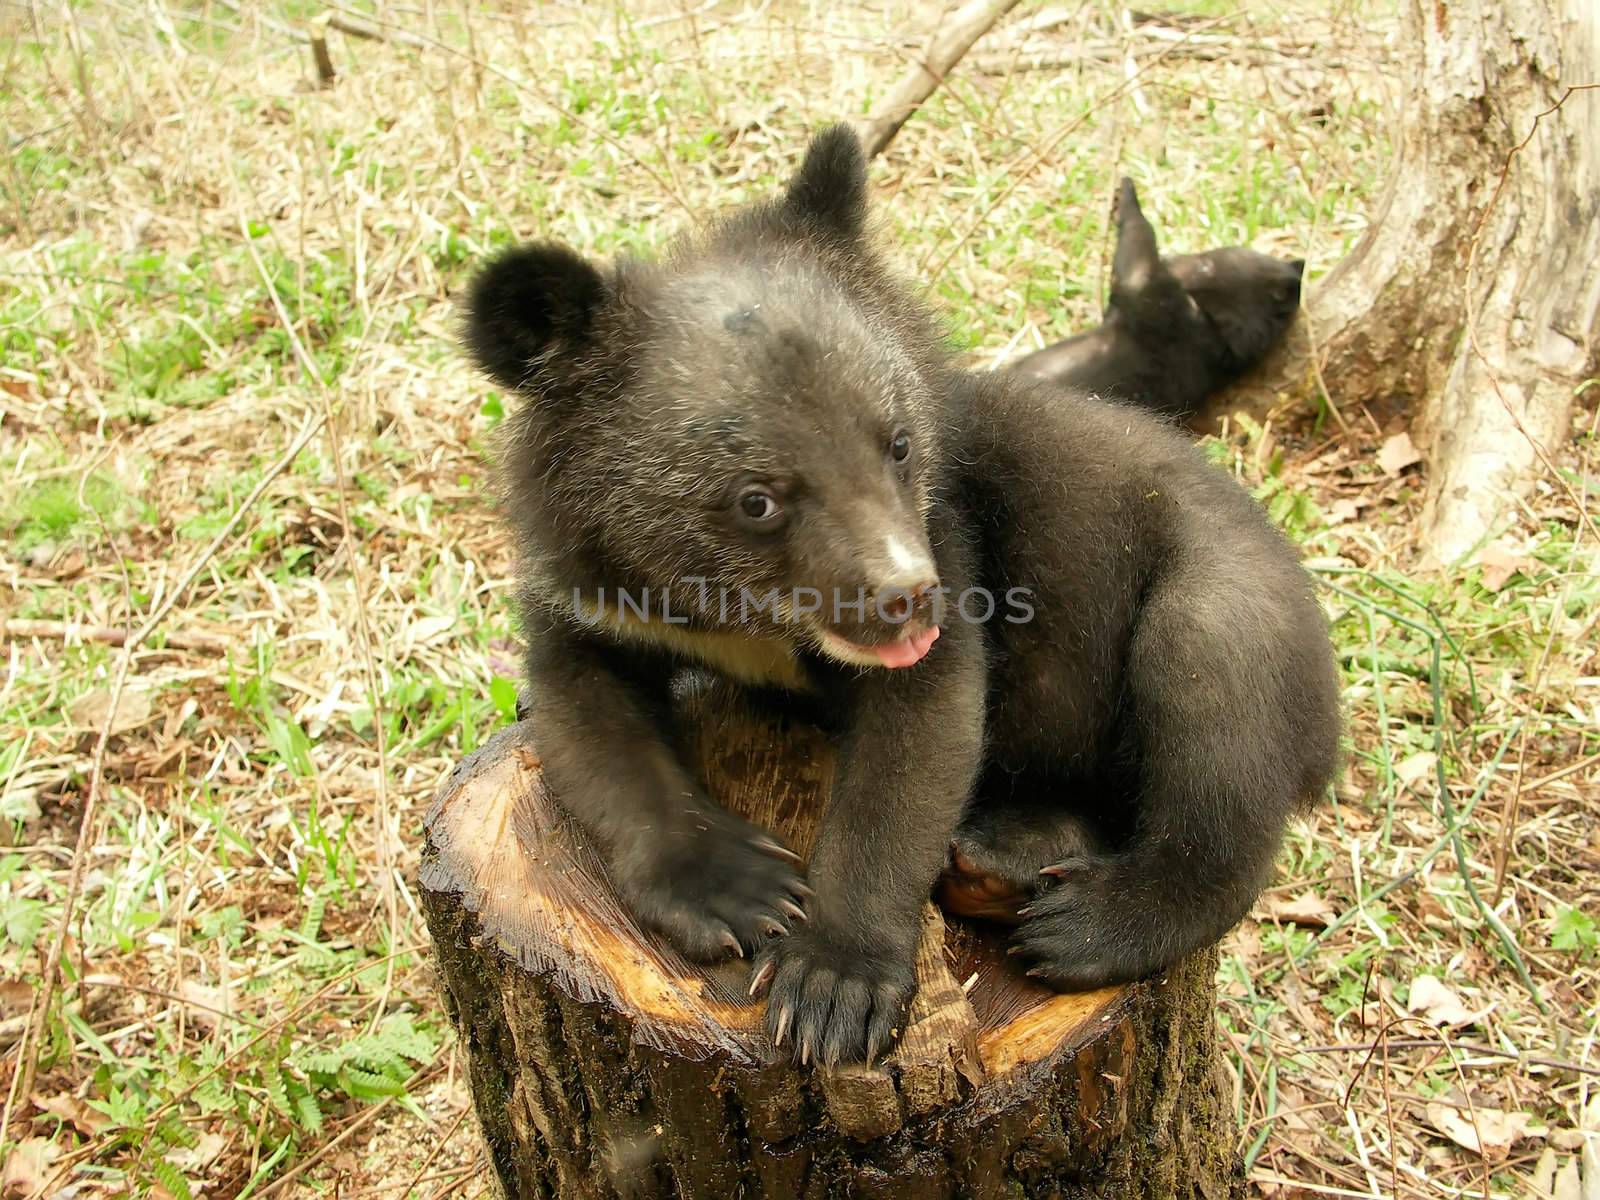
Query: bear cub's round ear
x=829, y=192
x=526, y=301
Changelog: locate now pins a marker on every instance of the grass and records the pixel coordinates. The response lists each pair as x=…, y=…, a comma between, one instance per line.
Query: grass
x=230, y=400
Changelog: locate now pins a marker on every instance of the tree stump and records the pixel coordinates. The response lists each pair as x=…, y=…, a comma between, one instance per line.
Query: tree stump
x=604, y=1065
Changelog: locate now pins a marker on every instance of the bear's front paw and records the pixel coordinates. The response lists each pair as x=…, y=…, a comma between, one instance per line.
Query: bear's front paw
x=1082, y=933
x=829, y=1003
x=716, y=885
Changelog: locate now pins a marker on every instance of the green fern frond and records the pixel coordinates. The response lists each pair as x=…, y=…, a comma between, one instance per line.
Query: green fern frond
x=369, y=1085
x=277, y=1093
x=171, y=1179
x=311, y=923
x=309, y=1112
x=175, y=1133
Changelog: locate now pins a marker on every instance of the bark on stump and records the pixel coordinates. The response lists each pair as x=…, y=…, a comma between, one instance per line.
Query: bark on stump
x=602, y=1064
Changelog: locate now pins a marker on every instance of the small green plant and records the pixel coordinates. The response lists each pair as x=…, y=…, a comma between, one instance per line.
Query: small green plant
x=1574, y=930
x=60, y=508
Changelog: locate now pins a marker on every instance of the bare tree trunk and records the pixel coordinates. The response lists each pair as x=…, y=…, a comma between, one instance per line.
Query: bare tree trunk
x=1476, y=291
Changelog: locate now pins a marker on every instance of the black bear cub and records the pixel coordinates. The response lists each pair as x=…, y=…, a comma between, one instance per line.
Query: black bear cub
x=1175, y=329
x=1074, y=670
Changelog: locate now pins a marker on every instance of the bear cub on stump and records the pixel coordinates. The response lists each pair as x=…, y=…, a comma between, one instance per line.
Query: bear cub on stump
x=1176, y=329
x=1106, y=753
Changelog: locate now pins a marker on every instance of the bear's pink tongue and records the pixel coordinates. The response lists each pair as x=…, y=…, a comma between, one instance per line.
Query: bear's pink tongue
x=907, y=652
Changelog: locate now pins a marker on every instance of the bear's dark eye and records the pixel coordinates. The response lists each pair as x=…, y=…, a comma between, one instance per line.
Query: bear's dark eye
x=758, y=508
x=900, y=446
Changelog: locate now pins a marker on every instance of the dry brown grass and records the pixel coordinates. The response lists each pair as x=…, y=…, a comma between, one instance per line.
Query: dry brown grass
x=202, y=258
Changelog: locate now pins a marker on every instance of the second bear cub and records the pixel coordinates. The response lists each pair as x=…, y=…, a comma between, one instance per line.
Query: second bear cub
x=1176, y=329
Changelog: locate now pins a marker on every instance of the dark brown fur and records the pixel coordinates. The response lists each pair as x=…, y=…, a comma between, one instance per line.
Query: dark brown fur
x=1169, y=704
x=1176, y=329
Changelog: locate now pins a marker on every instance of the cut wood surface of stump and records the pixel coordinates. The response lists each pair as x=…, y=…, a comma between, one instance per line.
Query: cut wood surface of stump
x=603, y=1064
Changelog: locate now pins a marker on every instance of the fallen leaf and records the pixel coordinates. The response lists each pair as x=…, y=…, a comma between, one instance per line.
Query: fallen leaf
x=429, y=629
x=1437, y=1004
x=176, y=717
x=73, y=1111
x=68, y=565
x=89, y=711
x=1543, y=1178
x=206, y=1006
x=1589, y=1122
x=1265, y=447
x=1486, y=1131
x=1499, y=563
x=1433, y=913
x=1342, y=511
x=1247, y=941
x=15, y=996
x=200, y=1155
x=1398, y=453
x=1307, y=909
x=1567, y=1185
x=1356, y=818
x=1414, y=767
x=27, y=1167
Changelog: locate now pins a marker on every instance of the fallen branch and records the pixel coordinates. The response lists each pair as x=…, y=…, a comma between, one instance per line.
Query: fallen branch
x=19, y=629
x=353, y=25
x=1469, y=1048
x=1254, y=53
x=969, y=23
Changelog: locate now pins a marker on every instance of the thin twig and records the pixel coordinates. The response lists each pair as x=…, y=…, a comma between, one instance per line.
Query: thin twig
x=1538, y=1060
x=1569, y=769
x=24, y=629
x=1017, y=178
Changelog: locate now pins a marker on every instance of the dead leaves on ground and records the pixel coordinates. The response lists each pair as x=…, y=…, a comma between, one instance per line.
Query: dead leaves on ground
x=1307, y=910
x=134, y=709
x=1397, y=453
x=27, y=1168
x=1439, y=1005
x=1489, y=1132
